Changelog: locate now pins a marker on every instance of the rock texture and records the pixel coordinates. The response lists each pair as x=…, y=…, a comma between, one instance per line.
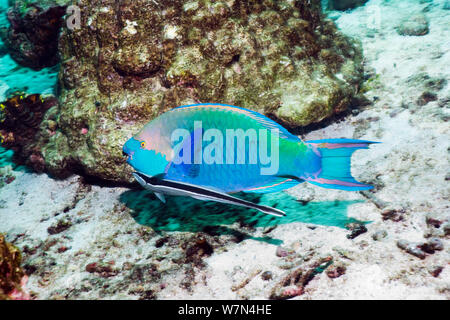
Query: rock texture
x=133, y=60
x=416, y=25
x=32, y=37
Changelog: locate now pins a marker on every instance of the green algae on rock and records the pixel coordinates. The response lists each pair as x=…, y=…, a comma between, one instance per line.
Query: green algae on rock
x=133, y=60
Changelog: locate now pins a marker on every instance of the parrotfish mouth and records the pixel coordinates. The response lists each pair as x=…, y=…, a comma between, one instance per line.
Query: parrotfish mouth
x=162, y=186
x=127, y=154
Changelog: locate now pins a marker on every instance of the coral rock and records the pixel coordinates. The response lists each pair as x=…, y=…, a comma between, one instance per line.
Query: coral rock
x=21, y=117
x=435, y=271
x=377, y=236
x=132, y=60
x=426, y=97
x=356, y=230
x=12, y=277
x=267, y=275
x=416, y=25
x=335, y=271
x=32, y=38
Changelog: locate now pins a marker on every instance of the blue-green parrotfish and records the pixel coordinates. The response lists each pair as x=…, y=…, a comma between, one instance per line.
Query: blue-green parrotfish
x=209, y=151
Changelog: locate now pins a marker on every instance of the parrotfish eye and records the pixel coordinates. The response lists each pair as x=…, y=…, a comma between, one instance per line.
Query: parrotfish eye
x=143, y=144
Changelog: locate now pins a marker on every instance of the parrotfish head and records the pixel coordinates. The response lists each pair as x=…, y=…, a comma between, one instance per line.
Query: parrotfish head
x=142, y=159
x=129, y=149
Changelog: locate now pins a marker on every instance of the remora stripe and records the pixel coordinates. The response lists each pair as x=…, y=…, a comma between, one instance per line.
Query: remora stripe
x=208, y=193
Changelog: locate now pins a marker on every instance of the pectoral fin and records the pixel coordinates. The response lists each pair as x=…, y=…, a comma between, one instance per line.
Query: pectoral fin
x=160, y=196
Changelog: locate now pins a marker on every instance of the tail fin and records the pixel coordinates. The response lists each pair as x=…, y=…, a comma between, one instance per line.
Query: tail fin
x=335, y=155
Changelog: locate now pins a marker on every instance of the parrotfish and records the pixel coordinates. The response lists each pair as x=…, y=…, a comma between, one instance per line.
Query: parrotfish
x=209, y=151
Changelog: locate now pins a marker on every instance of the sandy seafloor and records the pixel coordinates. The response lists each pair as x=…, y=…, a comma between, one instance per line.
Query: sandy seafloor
x=121, y=244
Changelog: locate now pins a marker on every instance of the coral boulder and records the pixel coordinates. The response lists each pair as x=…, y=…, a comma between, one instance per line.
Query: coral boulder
x=132, y=60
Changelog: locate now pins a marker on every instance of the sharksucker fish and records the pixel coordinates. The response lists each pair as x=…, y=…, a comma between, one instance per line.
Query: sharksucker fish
x=209, y=151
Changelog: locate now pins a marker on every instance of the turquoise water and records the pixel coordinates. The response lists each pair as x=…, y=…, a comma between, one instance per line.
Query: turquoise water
x=5, y=157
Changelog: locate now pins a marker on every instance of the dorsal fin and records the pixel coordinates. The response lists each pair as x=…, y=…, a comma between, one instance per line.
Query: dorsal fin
x=263, y=120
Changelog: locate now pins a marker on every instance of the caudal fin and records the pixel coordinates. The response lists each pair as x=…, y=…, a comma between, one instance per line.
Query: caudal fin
x=335, y=156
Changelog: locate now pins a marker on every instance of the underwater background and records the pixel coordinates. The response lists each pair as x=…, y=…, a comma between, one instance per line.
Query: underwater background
x=78, y=78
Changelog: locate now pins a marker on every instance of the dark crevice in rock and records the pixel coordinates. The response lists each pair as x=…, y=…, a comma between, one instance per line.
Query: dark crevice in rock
x=96, y=181
x=136, y=75
x=233, y=60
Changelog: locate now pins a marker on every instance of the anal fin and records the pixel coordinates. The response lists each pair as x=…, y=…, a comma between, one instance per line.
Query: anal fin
x=278, y=184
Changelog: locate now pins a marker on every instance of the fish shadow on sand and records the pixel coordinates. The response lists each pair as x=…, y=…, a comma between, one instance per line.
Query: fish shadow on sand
x=190, y=215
